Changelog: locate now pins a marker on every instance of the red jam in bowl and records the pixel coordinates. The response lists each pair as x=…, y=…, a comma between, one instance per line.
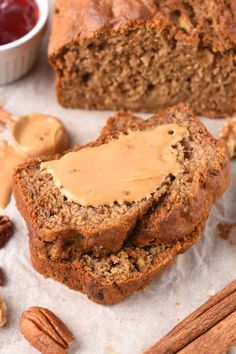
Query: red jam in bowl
x=17, y=18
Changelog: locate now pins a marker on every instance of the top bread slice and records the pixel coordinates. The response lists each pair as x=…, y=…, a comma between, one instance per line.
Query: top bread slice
x=171, y=212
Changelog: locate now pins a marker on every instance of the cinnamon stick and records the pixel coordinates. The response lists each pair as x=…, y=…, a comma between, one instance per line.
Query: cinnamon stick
x=212, y=325
x=215, y=341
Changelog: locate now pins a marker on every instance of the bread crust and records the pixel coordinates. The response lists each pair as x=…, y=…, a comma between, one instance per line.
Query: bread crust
x=77, y=276
x=85, y=19
x=160, y=221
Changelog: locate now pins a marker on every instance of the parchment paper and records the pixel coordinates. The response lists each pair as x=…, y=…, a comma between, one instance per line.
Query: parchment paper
x=135, y=324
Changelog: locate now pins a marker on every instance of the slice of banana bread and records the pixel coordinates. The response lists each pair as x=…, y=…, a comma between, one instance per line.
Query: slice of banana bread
x=111, y=279
x=149, y=228
x=168, y=214
x=143, y=55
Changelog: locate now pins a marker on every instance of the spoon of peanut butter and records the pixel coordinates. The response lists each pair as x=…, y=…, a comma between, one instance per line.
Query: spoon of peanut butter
x=34, y=135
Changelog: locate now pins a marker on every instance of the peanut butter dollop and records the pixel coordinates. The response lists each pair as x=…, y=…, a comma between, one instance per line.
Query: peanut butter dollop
x=126, y=169
x=40, y=135
x=34, y=135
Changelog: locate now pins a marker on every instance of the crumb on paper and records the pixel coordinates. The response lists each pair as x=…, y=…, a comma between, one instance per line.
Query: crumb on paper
x=110, y=350
x=228, y=135
x=225, y=232
x=211, y=292
x=177, y=303
x=2, y=277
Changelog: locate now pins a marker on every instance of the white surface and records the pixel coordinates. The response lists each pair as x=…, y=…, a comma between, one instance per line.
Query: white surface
x=135, y=324
x=18, y=57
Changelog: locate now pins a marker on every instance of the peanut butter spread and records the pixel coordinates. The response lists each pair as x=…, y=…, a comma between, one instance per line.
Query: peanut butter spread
x=126, y=169
x=38, y=135
x=9, y=159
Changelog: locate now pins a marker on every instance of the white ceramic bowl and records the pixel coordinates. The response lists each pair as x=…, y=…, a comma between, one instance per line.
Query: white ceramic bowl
x=17, y=58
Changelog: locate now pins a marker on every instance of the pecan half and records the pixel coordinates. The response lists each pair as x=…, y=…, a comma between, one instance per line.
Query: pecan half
x=5, y=230
x=3, y=312
x=45, y=331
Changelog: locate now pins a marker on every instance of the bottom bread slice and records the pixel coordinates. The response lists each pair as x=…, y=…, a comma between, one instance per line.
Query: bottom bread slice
x=111, y=279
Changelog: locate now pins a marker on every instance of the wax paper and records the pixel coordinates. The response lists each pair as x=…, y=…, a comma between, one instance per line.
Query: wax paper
x=138, y=322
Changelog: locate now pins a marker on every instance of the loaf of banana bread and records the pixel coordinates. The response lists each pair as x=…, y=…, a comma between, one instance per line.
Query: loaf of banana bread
x=143, y=55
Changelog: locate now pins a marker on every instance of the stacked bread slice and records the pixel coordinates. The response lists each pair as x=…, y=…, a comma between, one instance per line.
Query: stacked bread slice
x=109, y=252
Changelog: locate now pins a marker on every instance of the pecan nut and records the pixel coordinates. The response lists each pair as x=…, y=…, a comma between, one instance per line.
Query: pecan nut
x=228, y=135
x=5, y=230
x=45, y=331
x=3, y=312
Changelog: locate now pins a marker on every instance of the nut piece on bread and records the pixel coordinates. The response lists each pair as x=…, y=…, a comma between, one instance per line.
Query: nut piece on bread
x=45, y=331
x=145, y=55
